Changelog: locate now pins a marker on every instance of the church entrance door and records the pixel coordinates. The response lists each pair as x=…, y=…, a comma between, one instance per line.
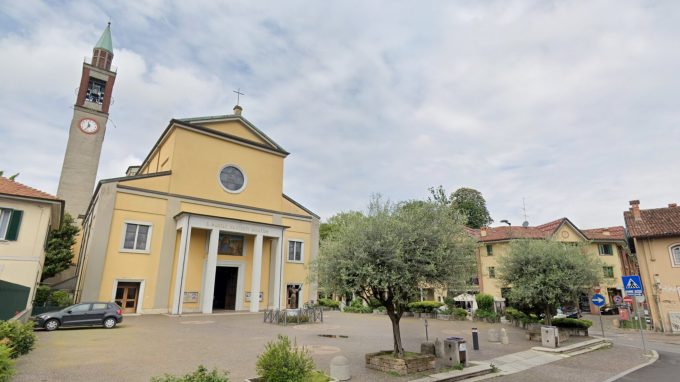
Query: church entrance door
x=224, y=293
x=126, y=296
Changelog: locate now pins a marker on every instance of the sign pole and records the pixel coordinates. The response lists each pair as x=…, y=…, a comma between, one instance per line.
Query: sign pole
x=637, y=311
x=601, y=324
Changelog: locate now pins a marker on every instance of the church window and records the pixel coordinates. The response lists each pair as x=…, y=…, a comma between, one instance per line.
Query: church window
x=232, y=178
x=136, y=237
x=95, y=90
x=675, y=255
x=295, y=251
x=10, y=221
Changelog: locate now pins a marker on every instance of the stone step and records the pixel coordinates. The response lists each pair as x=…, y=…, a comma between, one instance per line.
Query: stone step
x=577, y=347
x=457, y=375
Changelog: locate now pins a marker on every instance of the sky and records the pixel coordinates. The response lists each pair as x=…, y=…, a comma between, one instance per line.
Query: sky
x=571, y=106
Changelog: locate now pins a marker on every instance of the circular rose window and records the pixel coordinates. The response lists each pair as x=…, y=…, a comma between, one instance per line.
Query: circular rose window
x=232, y=178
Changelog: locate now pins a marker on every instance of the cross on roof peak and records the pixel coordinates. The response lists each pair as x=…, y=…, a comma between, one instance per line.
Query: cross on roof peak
x=238, y=95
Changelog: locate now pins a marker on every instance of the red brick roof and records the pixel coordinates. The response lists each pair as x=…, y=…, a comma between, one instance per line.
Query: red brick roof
x=654, y=223
x=544, y=231
x=9, y=187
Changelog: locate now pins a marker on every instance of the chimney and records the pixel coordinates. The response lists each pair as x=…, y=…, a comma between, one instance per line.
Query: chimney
x=672, y=205
x=237, y=110
x=606, y=232
x=635, y=209
x=132, y=170
x=482, y=232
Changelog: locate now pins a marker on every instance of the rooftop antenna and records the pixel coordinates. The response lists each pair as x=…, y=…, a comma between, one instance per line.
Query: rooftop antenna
x=524, y=208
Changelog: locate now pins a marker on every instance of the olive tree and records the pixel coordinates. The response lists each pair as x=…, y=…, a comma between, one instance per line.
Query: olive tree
x=391, y=251
x=546, y=274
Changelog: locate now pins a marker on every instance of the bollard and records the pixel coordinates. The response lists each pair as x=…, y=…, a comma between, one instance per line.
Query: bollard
x=427, y=338
x=475, y=339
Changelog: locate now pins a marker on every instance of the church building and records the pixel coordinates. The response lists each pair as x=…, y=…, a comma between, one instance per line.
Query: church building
x=201, y=225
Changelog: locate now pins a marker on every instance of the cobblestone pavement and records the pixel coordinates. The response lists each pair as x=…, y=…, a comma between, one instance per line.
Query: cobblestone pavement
x=151, y=345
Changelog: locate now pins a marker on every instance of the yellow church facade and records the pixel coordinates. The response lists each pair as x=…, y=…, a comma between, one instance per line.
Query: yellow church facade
x=202, y=225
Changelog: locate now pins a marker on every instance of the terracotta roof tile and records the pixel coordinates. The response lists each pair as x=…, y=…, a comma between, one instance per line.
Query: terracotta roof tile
x=654, y=223
x=9, y=187
x=607, y=233
x=543, y=231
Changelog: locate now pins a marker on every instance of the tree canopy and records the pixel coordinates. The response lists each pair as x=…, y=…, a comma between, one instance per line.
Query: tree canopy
x=546, y=274
x=467, y=201
x=58, y=253
x=393, y=250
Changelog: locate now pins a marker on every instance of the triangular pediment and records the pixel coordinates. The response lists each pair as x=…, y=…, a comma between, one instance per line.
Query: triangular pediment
x=235, y=126
x=568, y=232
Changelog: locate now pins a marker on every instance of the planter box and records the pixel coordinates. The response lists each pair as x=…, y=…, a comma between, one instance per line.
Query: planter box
x=445, y=317
x=575, y=332
x=414, y=363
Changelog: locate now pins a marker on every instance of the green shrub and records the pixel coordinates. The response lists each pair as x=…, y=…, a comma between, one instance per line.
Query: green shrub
x=200, y=375
x=61, y=298
x=633, y=324
x=459, y=313
x=572, y=323
x=485, y=314
x=6, y=364
x=42, y=295
x=484, y=301
x=374, y=303
x=281, y=362
x=327, y=302
x=424, y=306
x=20, y=337
x=357, y=306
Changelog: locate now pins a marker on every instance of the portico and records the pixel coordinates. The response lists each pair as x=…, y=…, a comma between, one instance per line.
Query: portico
x=260, y=240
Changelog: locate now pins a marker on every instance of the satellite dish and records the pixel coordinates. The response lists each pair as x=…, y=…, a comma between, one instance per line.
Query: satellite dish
x=525, y=224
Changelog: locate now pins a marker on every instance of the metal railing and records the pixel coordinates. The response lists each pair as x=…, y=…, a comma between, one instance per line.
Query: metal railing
x=293, y=316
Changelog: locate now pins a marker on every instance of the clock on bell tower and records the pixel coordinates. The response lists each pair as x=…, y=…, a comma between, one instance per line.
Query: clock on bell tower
x=86, y=134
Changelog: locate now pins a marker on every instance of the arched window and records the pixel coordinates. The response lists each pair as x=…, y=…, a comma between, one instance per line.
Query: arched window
x=675, y=255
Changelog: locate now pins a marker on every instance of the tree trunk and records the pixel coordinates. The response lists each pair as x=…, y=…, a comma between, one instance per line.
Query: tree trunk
x=547, y=319
x=396, y=332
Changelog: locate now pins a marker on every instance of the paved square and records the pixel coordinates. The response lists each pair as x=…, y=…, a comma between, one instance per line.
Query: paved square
x=150, y=345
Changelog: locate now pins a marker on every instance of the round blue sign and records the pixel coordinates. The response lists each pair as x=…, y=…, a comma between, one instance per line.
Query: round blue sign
x=598, y=300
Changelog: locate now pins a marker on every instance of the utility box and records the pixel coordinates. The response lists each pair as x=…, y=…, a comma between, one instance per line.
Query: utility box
x=455, y=351
x=550, y=337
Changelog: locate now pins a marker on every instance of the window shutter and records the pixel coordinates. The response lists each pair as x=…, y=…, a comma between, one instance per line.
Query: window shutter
x=13, y=227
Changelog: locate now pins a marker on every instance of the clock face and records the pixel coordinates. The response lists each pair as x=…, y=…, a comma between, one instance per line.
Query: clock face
x=88, y=125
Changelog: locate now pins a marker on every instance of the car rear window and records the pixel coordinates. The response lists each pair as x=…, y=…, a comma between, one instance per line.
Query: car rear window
x=98, y=306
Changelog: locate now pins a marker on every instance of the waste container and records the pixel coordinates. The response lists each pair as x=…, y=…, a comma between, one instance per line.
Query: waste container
x=455, y=351
x=550, y=336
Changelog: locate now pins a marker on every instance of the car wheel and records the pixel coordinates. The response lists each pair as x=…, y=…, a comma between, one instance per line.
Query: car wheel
x=51, y=324
x=109, y=322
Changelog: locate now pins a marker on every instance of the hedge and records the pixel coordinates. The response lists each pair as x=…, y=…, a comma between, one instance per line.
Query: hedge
x=6, y=364
x=424, y=306
x=485, y=301
x=357, y=307
x=327, y=302
x=572, y=323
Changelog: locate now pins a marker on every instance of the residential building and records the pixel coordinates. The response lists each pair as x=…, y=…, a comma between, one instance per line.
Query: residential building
x=201, y=225
x=655, y=235
x=608, y=244
x=26, y=217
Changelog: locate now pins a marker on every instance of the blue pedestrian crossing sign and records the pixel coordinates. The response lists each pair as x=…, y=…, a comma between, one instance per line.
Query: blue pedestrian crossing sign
x=632, y=283
x=598, y=300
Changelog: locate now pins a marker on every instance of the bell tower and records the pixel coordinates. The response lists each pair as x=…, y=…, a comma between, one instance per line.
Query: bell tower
x=86, y=134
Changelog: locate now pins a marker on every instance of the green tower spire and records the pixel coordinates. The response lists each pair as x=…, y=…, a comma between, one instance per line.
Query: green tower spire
x=105, y=40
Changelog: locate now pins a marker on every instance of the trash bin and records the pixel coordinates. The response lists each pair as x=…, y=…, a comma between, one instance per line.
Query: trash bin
x=550, y=336
x=455, y=351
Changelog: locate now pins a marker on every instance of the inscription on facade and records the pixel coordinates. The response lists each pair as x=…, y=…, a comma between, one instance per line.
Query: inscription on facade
x=243, y=228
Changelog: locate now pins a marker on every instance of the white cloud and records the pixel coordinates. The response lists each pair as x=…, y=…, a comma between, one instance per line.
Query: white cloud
x=571, y=105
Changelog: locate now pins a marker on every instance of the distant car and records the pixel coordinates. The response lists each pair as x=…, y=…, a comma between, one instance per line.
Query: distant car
x=106, y=314
x=609, y=310
x=567, y=313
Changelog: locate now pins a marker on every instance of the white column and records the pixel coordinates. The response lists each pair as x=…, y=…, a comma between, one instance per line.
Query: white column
x=278, y=269
x=181, y=268
x=257, y=274
x=210, y=269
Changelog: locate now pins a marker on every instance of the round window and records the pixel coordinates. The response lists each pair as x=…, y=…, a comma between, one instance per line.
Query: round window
x=232, y=178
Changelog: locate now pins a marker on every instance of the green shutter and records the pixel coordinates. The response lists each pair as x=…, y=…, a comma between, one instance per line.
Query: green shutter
x=14, y=223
